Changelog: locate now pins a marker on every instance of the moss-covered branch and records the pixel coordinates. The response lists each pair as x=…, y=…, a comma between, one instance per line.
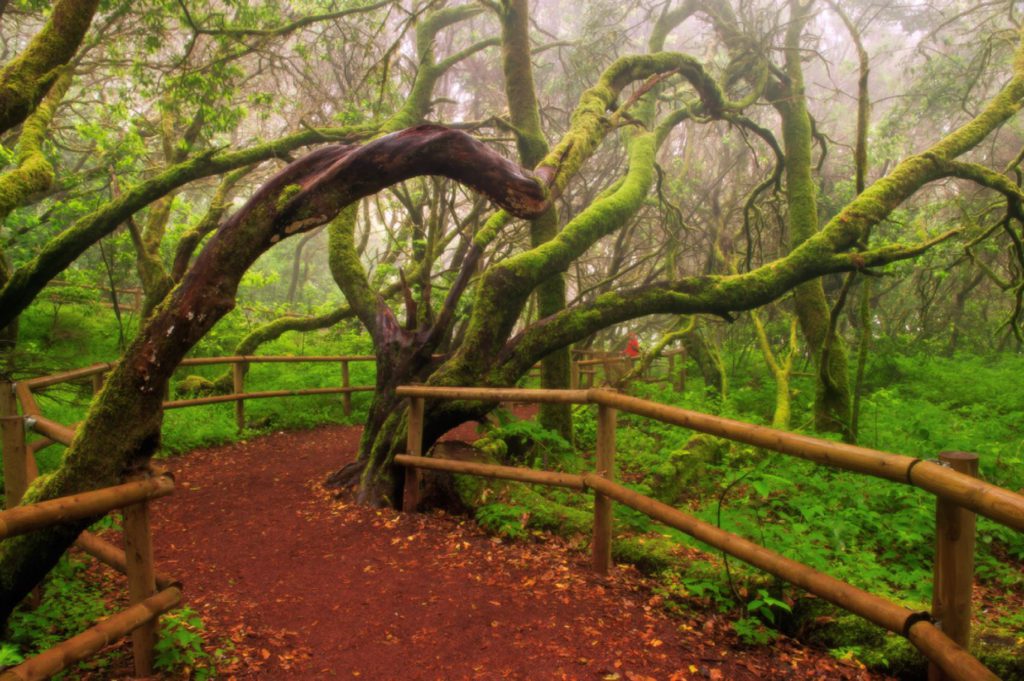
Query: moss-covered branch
x=26, y=79
x=713, y=294
x=33, y=171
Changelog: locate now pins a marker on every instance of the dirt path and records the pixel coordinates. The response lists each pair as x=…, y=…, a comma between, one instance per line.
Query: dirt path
x=312, y=588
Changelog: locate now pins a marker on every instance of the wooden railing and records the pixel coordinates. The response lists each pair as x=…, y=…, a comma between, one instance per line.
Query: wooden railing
x=136, y=559
x=959, y=495
x=615, y=365
x=239, y=365
x=150, y=594
x=951, y=479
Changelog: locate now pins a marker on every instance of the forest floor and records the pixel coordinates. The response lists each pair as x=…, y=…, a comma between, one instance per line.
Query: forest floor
x=302, y=585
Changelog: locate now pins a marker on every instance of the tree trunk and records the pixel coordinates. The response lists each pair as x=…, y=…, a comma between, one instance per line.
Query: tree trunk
x=832, y=393
x=708, y=361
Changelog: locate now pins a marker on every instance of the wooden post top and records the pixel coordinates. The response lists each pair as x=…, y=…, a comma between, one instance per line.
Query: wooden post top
x=958, y=456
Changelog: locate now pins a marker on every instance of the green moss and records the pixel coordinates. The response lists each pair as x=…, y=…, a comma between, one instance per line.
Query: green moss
x=27, y=78
x=33, y=173
x=650, y=555
x=287, y=194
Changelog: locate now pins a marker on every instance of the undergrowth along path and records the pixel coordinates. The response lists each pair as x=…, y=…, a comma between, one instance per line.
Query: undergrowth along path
x=310, y=587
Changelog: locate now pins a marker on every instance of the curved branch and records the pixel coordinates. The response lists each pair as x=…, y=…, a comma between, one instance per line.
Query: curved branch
x=122, y=428
x=34, y=172
x=711, y=294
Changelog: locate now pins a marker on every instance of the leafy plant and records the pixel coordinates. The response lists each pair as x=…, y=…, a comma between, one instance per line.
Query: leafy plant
x=752, y=631
x=180, y=646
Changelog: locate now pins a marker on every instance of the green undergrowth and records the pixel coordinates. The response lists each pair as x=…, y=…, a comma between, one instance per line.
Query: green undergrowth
x=57, y=338
x=71, y=602
x=69, y=605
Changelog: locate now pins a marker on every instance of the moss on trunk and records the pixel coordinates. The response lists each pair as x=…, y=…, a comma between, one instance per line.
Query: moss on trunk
x=26, y=79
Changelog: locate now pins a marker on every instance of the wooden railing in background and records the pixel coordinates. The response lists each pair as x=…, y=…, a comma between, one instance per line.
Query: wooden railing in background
x=150, y=594
x=615, y=365
x=952, y=479
x=239, y=365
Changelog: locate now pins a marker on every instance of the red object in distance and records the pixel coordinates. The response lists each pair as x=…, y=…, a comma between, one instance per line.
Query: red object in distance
x=632, y=346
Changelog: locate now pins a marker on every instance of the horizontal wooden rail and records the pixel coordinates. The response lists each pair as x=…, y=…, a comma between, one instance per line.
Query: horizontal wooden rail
x=90, y=641
x=989, y=500
x=215, y=399
x=605, y=360
x=108, y=554
x=57, y=432
x=494, y=394
x=487, y=470
x=256, y=359
x=22, y=519
x=103, y=367
x=936, y=646
x=985, y=498
x=23, y=391
x=65, y=376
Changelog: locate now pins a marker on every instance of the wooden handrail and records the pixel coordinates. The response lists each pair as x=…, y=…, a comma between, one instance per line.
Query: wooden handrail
x=936, y=646
x=235, y=397
x=65, y=376
x=57, y=432
x=989, y=500
x=22, y=519
x=487, y=470
x=113, y=556
x=92, y=640
x=254, y=359
x=495, y=394
x=103, y=367
x=956, y=662
x=957, y=493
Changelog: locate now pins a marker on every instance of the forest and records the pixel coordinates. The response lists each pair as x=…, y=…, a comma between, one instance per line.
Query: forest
x=801, y=218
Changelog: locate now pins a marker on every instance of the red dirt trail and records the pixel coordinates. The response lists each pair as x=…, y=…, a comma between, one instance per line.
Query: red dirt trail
x=309, y=587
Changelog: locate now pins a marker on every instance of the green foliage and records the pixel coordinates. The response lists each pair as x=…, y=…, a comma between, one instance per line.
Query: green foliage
x=504, y=520
x=752, y=631
x=180, y=647
x=69, y=605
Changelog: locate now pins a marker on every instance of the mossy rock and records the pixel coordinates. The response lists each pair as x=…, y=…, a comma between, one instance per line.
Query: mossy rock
x=198, y=386
x=650, y=555
x=670, y=479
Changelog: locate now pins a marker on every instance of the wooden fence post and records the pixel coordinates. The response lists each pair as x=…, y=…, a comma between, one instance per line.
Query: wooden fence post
x=138, y=551
x=414, y=447
x=97, y=383
x=680, y=380
x=346, y=397
x=574, y=374
x=16, y=476
x=601, y=546
x=15, y=453
x=238, y=380
x=954, y=562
